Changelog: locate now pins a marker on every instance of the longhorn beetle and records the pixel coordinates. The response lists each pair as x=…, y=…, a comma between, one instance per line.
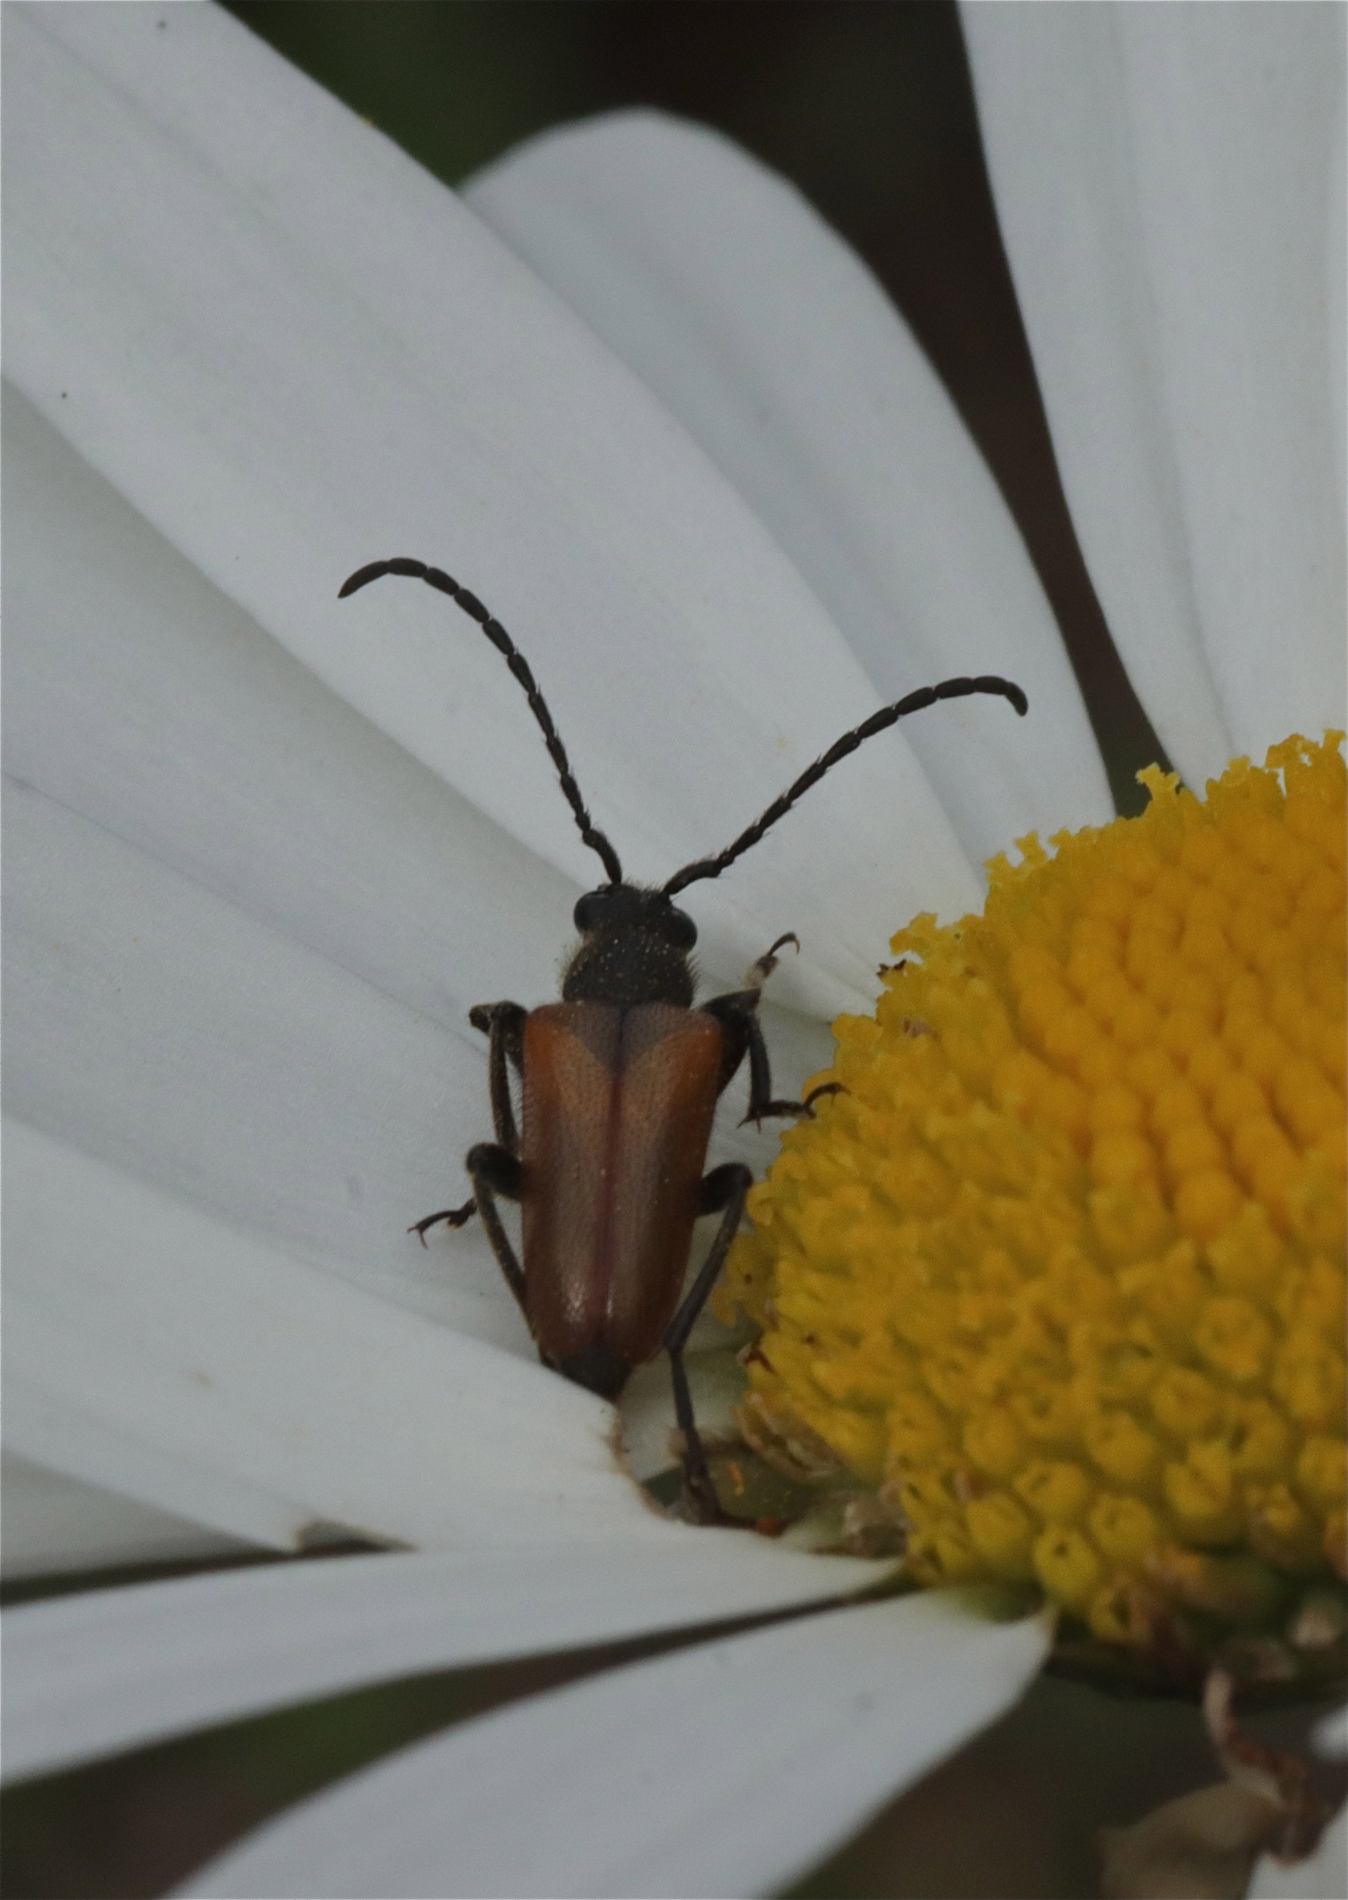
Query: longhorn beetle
x=620, y=1081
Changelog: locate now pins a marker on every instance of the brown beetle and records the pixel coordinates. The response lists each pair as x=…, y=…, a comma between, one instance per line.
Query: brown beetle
x=620, y=1082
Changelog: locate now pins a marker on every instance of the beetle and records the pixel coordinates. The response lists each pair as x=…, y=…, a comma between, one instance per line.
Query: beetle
x=620, y=1082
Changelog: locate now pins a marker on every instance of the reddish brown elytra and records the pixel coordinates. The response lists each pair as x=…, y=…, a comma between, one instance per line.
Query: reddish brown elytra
x=620, y=1081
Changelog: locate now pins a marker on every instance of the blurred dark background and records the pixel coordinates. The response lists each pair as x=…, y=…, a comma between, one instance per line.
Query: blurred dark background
x=865, y=105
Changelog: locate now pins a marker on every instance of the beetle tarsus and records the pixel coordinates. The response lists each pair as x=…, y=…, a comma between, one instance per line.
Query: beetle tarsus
x=758, y=972
x=699, y=1491
x=702, y=1503
x=799, y=1110
x=773, y=1111
x=451, y=1216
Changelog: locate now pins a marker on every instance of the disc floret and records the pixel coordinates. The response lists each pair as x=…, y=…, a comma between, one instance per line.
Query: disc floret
x=1060, y=1275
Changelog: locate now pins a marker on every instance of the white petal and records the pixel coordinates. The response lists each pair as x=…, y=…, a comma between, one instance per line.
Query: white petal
x=293, y=352
x=188, y=1363
x=155, y=1024
x=141, y=697
x=187, y=1007
x=1324, y=1876
x=1167, y=180
x=725, y=1769
x=781, y=355
x=90, y=1674
x=294, y=1050
x=54, y=1523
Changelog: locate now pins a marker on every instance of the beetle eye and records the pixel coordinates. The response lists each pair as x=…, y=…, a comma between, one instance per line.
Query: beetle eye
x=590, y=911
x=680, y=929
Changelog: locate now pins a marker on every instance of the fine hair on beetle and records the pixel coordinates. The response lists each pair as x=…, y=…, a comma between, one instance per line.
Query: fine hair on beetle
x=619, y=1081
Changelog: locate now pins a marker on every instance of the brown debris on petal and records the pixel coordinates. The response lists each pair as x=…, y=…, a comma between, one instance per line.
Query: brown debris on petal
x=1201, y=1847
x=786, y=1444
x=1280, y=1779
x=873, y=1527
x=1204, y=1845
x=1319, y=1623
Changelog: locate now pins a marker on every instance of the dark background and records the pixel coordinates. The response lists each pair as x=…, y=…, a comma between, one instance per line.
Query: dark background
x=866, y=106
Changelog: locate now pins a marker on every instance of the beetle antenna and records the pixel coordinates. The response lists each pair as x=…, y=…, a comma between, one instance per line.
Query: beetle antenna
x=878, y=722
x=519, y=666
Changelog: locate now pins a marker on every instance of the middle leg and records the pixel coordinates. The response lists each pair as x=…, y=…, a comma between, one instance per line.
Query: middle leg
x=503, y=1024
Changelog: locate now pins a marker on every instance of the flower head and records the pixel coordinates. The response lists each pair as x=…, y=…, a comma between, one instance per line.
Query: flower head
x=263, y=857
x=1060, y=1270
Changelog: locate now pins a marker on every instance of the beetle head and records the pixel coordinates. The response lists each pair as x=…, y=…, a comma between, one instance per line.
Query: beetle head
x=634, y=949
x=628, y=907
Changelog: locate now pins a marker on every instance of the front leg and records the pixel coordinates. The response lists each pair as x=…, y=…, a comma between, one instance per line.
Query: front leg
x=503, y=1024
x=737, y=1013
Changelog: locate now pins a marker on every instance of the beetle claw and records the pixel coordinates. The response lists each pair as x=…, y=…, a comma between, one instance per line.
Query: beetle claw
x=792, y=1111
x=451, y=1216
x=758, y=973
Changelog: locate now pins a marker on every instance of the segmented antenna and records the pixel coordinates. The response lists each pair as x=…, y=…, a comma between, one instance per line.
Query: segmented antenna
x=878, y=722
x=519, y=666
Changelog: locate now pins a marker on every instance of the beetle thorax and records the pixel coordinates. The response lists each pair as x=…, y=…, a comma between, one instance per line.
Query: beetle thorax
x=627, y=965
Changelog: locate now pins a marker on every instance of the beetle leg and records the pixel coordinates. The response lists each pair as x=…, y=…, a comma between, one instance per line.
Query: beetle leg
x=737, y=1014
x=725, y=1188
x=759, y=972
x=452, y=1217
x=504, y=1024
x=734, y=1011
x=496, y=1171
x=493, y=1170
x=761, y=1100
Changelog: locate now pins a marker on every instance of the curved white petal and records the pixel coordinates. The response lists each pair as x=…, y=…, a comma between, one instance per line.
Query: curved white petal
x=1323, y=1876
x=156, y=1024
x=55, y=1524
x=91, y=1674
x=191, y=1364
x=138, y=695
x=780, y=354
x=1168, y=180
x=725, y=1769
x=294, y=352
x=244, y=926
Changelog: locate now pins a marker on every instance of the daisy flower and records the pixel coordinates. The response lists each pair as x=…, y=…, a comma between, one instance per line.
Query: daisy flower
x=264, y=853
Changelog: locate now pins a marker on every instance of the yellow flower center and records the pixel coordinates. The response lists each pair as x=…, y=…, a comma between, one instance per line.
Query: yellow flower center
x=1060, y=1274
